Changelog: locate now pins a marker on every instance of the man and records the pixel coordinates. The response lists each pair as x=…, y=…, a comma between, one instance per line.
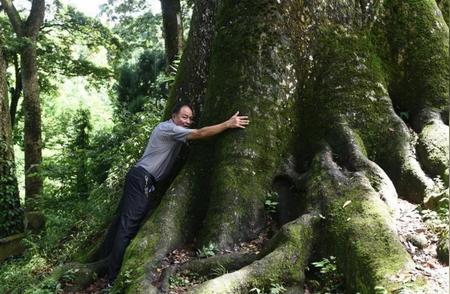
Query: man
x=159, y=156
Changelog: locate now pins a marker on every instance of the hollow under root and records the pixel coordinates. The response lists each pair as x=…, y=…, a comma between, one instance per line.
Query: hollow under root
x=293, y=244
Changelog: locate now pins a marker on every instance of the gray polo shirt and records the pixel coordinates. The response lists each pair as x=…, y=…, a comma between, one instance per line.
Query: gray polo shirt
x=162, y=149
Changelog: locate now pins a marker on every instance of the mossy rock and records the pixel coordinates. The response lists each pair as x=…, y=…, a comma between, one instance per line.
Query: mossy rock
x=74, y=276
x=11, y=246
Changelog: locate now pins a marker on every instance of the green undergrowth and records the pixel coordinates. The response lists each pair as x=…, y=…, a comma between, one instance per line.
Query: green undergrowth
x=74, y=222
x=324, y=277
x=437, y=220
x=272, y=288
x=185, y=280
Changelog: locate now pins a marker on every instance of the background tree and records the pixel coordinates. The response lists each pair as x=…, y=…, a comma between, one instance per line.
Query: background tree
x=138, y=82
x=11, y=214
x=11, y=52
x=173, y=29
x=27, y=31
x=79, y=148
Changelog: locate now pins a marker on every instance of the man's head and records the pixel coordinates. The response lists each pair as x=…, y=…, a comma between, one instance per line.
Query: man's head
x=182, y=115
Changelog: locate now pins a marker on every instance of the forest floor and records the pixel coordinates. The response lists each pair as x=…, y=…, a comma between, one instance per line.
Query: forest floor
x=415, y=229
x=420, y=240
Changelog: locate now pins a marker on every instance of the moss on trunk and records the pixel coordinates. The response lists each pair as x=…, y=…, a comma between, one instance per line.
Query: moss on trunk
x=252, y=72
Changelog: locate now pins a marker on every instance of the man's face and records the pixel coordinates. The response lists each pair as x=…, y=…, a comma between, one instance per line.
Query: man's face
x=183, y=117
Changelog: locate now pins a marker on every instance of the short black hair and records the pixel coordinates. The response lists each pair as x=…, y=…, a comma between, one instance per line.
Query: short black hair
x=176, y=109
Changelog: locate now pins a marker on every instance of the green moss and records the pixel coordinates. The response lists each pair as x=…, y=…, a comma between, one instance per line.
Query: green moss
x=348, y=85
x=418, y=45
x=445, y=9
x=360, y=143
x=358, y=230
x=252, y=72
x=433, y=150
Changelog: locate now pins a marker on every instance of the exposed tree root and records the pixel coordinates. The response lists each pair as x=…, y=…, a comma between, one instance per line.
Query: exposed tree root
x=358, y=227
x=77, y=276
x=168, y=227
x=432, y=146
x=204, y=267
x=292, y=248
x=402, y=165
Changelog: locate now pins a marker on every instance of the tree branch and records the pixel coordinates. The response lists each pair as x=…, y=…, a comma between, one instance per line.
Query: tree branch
x=35, y=18
x=13, y=16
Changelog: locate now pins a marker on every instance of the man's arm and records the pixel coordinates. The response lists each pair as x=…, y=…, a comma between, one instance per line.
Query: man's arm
x=236, y=121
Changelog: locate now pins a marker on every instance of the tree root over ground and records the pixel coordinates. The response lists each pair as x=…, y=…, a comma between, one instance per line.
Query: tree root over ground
x=353, y=219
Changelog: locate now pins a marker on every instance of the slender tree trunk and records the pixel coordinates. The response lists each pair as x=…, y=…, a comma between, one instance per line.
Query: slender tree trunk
x=32, y=138
x=173, y=29
x=28, y=31
x=11, y=215
x=16, y=91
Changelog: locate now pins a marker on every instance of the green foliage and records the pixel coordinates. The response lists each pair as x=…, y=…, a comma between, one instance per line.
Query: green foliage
x=138, y=82
x=437, y=221
x=256, y=290
x=185, y=279
x=79, y=148
x=326, y=278
x=70, y=167
x=380, y=290
x=219, y=270
x=80, y=160
x=179, y=281
x=69, y=45
x=208, y=250
x=274, y=288
x=271, y=202
x=73, y=224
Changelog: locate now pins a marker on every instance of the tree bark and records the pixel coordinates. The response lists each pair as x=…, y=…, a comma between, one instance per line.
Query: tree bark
x=173, y=29
x=324, y=84
x=11, y=214
x=27, y=31
x=16, y=91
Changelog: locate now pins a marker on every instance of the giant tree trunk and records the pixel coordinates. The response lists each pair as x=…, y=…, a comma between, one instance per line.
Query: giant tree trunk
x=11, y=215
x=324, y=83
x=27, y=31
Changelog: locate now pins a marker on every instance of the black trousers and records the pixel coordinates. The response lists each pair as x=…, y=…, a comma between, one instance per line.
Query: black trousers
x=137, y=199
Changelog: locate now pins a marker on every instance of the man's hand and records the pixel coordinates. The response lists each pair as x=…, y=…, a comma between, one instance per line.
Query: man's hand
x=237, y=121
